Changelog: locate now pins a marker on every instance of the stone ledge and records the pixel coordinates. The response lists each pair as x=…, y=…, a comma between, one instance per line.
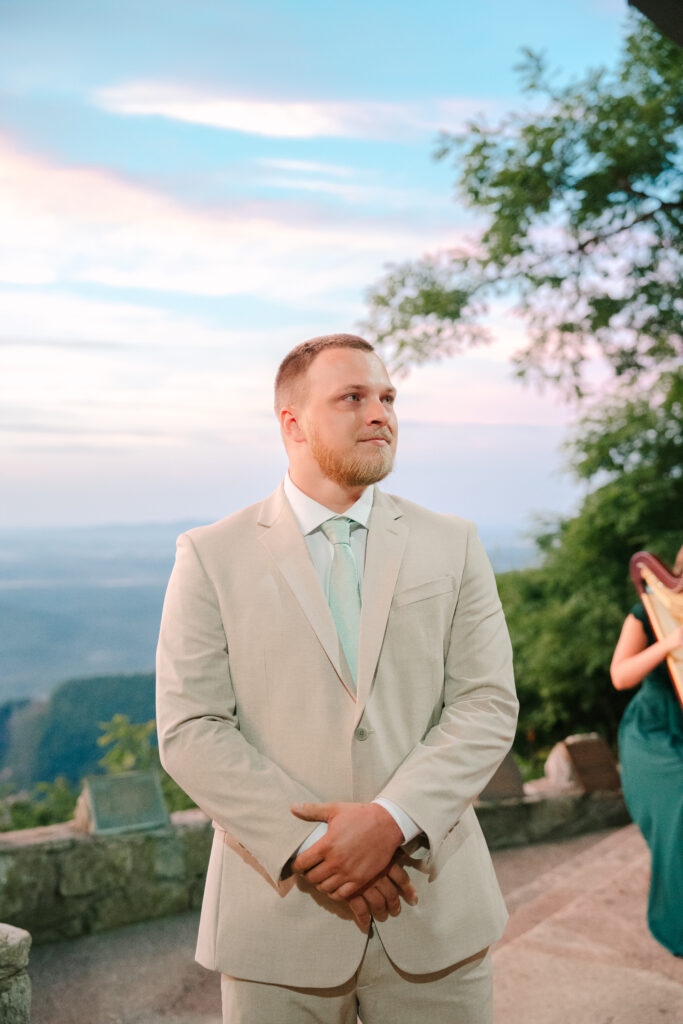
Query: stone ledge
x=15, y=986
x=15, y=944
x=59, y=883
x=548, y=815
x=67, y=835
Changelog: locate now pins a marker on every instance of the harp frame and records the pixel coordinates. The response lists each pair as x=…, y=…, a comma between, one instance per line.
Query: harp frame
x=662, y=595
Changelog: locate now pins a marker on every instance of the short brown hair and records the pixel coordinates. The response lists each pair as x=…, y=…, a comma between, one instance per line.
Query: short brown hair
x=296, y=363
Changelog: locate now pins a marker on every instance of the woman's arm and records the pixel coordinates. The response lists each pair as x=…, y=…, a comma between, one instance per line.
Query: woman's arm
x=633, y=659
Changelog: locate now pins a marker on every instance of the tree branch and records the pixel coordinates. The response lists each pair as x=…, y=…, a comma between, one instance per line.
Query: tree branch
x=640, y=219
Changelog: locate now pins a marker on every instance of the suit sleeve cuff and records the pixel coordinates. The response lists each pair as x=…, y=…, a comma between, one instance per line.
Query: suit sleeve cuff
x=403, y=820
x=317, y=833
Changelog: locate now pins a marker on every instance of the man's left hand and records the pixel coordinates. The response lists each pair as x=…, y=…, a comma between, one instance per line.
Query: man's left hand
x=358, y=846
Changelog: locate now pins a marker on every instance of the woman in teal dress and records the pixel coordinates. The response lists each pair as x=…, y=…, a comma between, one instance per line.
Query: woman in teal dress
x=651, y=761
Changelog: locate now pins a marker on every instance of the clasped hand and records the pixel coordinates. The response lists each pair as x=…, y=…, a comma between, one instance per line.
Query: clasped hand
x=354, y=861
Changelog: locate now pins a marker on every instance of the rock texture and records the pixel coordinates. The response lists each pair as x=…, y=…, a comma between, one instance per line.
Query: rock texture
x=549, y=815
x=15, y=986
x=59, y=883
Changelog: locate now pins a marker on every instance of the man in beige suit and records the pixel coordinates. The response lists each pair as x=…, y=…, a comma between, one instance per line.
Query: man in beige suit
x=334, y=689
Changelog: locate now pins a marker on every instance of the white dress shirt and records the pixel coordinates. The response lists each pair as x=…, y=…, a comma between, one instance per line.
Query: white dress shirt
x=310, y=515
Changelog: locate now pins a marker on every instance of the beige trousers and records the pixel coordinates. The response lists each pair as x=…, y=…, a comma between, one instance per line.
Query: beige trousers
x=378, y=993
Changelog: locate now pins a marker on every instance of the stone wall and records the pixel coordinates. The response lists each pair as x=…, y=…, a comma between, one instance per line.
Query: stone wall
x=58, y=883
x=549, y=816
x=15, y=986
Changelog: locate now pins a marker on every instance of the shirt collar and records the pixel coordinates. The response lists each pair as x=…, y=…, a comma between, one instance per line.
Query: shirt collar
x=310, y=514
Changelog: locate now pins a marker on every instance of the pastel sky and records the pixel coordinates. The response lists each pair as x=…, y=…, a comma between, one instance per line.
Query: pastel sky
x=187, y=189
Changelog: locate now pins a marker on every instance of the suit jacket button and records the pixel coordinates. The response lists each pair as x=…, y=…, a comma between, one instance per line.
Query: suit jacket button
x=361, y=733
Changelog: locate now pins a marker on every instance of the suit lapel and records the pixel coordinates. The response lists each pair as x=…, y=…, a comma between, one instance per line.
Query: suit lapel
x=287, y=547
x=387, y=536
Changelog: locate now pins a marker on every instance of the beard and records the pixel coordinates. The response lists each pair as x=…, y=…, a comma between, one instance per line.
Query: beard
x=354, y=469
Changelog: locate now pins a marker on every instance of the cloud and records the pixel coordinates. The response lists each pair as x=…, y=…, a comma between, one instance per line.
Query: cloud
x=288, y=119
x=307, y=167
x=477, y=388
x=366, y=188
x=96, y=373
x=83, y=371
x=78, y=224
x=79, y=344
x=122, y=399
x=66, y=321
x=355, y=194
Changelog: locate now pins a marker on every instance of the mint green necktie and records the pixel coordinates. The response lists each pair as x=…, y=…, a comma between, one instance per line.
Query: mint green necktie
x=344, y=592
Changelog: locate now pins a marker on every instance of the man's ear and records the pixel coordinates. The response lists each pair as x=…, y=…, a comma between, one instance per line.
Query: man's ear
x=289, y=424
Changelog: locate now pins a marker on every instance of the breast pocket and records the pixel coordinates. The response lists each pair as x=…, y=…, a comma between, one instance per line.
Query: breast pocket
x=423, y=591
x=419, y=625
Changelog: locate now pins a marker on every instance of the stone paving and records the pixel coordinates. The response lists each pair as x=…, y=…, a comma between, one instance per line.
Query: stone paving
x=576, y=950
x=577, y=947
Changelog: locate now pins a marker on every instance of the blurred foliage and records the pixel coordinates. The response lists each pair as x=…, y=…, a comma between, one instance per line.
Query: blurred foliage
x=48, y=803
x=132, y=749
x=59, y=737
x=565, y=617
x=130, y=745
x=533, y=765
x=56, y=740
x=581, y=197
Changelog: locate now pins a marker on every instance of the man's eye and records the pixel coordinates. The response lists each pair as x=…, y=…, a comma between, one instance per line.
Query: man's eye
x=353, y=396
x=389, y=399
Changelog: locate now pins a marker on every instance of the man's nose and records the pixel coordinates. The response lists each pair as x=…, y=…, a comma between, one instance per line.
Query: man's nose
x=377, y=411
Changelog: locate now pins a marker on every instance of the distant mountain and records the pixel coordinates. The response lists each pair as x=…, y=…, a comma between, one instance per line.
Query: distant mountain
x=40, y=740
x=77, y=602
x=87, y=601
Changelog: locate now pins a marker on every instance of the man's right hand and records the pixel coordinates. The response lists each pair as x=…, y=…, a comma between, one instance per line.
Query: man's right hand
x=382, y=897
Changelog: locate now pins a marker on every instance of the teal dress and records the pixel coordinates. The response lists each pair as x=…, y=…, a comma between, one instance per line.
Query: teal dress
x=651, y=759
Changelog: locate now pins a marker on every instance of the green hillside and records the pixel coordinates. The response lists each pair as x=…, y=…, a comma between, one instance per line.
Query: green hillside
x=41, y=740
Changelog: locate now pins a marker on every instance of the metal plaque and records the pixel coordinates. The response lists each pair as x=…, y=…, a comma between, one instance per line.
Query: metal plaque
x=124, y=803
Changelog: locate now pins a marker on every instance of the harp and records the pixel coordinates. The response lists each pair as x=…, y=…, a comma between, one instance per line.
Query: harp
x=662, y=595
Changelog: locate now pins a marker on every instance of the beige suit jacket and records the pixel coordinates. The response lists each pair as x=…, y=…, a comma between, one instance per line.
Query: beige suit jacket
x=256, y=711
